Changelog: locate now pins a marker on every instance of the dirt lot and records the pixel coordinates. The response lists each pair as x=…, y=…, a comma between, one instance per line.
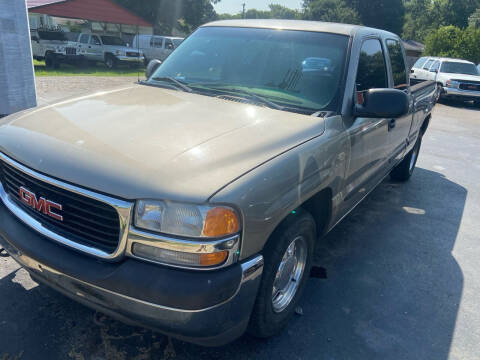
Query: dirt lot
x=402, y=275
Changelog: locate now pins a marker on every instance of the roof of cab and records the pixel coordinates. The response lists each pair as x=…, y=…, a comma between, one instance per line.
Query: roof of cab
x=300, y=25
x=447, y=59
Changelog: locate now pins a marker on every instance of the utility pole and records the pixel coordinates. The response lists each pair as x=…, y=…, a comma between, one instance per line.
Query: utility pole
x=243, y=11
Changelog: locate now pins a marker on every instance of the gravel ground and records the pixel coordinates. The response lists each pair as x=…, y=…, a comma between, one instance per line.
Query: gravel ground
x=402, y=276
x=53, y=88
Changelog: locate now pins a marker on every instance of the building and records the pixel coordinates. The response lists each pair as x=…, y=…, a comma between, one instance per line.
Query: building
x=414, y=50
x=99, y=16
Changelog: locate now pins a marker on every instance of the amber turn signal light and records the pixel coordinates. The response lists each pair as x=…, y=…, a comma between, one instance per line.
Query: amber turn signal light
x=213, y=258
x=221, y=221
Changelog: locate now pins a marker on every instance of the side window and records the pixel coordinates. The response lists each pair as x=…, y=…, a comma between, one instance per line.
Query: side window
x=84, y=39
x=435, y=66
x=168, y=44
x=428, y=64
x=399, y=70
x=420, y=62
x=94, y=40
x=372, y=72
x=156, y=42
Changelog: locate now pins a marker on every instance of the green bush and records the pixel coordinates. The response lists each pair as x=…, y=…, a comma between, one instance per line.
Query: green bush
x=451, y=41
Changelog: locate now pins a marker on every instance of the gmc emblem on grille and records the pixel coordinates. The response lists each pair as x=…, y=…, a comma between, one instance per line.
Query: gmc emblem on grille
x=41, y=205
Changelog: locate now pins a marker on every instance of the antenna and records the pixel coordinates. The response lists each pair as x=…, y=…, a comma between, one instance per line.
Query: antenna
x=243, y=11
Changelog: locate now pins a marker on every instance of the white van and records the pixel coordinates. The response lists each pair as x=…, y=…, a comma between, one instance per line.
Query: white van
x=156, y=46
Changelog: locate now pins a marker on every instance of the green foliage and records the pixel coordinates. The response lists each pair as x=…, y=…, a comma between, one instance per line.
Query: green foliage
x=381, y=14
x=474, y=19
x=276, y=12
x=330, y=10
x=451, y=41
x=168, y=14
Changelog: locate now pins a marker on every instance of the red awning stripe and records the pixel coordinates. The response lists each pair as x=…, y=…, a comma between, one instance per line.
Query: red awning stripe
x=94, y=10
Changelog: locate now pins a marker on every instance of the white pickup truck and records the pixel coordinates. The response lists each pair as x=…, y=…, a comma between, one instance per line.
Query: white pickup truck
x=111, y=50
x=455, y=78
x=48, y=45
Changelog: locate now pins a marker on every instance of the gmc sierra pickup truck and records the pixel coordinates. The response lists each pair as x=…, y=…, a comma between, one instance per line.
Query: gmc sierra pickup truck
x=191, y=203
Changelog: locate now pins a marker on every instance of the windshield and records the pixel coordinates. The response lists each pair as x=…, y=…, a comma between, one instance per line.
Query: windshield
x=113, y=40
x=297, y=69
x=52, y=35
x=459, y=68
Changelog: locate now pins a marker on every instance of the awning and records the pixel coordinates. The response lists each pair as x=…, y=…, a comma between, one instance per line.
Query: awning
x=94, y=10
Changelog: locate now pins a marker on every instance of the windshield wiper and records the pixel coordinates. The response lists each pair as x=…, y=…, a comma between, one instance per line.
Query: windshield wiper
x=261, y=99
x=175, y=82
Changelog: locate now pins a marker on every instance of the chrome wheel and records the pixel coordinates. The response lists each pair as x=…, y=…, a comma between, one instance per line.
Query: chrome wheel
x=289, y=274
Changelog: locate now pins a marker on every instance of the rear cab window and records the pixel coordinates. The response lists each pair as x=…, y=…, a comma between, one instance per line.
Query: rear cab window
x=397, y=60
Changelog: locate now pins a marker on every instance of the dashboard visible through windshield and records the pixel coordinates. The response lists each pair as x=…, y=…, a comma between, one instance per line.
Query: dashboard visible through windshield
x=291, y=69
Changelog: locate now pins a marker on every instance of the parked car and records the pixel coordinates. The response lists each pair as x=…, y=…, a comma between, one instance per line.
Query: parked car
x=455, y=78
x=156, y=47
x=111, y=50
x=48, y=45
x=191, y=203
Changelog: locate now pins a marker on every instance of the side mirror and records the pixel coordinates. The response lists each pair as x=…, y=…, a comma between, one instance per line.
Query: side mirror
x=383, y=103
x=152, y=67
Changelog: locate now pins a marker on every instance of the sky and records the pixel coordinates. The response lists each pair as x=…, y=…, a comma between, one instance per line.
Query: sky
x=235, y=6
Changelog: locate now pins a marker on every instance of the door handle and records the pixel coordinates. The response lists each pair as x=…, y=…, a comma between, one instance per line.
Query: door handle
x=391, y=124
x=89, y=47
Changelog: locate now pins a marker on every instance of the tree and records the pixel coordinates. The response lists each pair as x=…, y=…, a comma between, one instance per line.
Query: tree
x=474, y=19
x=451, y=41
x=453, y=12
x=168, y=14
x=330, y=10
x=418, y=23
x=382, y=14
x=282, y=12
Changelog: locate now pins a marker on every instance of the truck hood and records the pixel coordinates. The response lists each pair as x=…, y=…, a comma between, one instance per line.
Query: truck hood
x=146, y=142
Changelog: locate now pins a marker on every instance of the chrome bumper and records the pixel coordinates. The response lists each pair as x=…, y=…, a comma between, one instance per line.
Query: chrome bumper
x=133, y=59
x=447, y=91
x=212, y=326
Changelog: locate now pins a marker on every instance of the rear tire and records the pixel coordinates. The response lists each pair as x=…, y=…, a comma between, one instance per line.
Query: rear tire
x=403, y=171
x=273, y=307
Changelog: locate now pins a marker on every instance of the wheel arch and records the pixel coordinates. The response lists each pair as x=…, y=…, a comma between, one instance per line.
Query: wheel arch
x=425, y=124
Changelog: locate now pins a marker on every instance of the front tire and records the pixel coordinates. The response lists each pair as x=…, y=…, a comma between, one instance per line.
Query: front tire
x=403, y=171
x=110, y=62
x=288, y=259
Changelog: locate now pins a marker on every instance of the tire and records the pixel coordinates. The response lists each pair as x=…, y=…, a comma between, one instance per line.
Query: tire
x=272, y=313
x=49, y=61
x=110, y=61
x=438, y=93
x=403, y=171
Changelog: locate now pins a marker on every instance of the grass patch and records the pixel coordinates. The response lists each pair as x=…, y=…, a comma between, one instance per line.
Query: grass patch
x=98, y=70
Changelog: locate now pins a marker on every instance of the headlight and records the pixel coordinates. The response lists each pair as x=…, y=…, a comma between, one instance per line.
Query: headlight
x=188, y=220
x=453, y=84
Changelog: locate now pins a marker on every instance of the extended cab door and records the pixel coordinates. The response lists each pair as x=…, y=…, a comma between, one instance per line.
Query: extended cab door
x=399, y=128
x=95, y=48
x=83, y=44
x=433, y=71
x=368, y=136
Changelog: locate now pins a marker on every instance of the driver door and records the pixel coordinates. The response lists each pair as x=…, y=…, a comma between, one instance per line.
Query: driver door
x=368, y=136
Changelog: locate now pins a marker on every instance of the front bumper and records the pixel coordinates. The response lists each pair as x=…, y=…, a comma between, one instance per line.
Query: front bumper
x=459, y=93
x=209, y=308
x=131, y=59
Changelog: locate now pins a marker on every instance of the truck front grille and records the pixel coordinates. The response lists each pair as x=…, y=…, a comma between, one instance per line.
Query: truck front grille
x=71, y=51
x=133, y=54
x=470, y=86
x=85, y=220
